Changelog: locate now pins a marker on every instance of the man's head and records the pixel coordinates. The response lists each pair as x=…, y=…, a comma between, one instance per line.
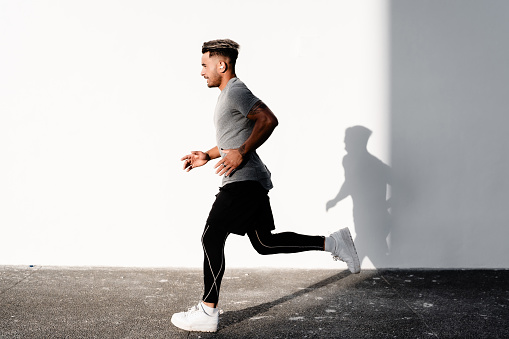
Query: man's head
x=225, y=48
x=218, y=61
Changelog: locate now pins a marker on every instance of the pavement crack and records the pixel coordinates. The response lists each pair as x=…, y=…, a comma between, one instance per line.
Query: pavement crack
x=2, y=292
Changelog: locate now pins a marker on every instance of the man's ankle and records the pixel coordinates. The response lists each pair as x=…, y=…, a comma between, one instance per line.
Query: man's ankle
x=211, y=305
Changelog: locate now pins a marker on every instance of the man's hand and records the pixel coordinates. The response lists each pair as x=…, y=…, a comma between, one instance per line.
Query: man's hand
x=230, y=162
x=195, y=159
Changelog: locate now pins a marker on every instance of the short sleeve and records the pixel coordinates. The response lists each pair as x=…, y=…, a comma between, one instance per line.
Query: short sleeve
x=242, y=99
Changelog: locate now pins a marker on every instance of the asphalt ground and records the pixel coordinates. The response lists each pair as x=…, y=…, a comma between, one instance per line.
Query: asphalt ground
x=92, y=302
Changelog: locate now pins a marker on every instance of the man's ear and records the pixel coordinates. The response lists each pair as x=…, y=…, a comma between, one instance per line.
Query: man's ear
x=223, y=66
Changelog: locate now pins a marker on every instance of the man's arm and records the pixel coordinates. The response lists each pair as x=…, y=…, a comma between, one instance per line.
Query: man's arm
x=264, y=124
x=199, y=158
x=213, y=153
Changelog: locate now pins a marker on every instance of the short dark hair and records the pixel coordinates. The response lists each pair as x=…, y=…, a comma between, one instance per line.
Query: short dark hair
x=223, y=47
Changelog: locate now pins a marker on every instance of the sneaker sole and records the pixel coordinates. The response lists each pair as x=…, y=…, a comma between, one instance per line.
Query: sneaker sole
x=348, y=241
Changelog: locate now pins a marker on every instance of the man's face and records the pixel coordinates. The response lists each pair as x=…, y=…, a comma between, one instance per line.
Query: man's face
x=209, y=70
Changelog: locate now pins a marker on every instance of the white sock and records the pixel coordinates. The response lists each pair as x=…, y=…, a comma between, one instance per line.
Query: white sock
x=207, y=309
x=330, y=244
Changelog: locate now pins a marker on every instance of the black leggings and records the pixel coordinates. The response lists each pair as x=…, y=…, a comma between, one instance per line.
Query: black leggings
x=263, y=241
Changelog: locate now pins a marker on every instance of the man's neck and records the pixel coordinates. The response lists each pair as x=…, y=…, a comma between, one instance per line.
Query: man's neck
x=226, y=79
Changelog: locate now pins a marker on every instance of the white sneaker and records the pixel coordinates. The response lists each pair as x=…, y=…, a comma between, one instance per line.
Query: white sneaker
x=196, y=319
x=345, y=250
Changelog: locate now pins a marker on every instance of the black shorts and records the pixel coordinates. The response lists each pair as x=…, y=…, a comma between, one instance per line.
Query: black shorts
x=241, y=207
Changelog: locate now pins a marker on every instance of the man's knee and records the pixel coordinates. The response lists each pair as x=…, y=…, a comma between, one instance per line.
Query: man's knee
x=213, y=236
x=261, y=244
x=263, y=250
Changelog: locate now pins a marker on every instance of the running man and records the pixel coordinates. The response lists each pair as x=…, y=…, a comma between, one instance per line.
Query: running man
x=243, y=123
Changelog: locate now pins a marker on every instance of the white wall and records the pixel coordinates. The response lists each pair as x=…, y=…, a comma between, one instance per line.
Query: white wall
x=100, y=99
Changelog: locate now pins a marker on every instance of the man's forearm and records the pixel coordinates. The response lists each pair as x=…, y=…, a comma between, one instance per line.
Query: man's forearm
x=213, y=153
x=261, y=132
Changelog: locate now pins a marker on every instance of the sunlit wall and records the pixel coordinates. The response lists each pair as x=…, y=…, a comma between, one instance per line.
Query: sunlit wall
x=99, y=100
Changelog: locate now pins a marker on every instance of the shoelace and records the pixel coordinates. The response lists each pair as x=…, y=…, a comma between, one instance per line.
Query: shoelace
x=195, y=308
x=192, y=309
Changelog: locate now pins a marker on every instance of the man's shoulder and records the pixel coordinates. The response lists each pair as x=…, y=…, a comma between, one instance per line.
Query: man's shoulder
x=236, y=86
x=239, y=91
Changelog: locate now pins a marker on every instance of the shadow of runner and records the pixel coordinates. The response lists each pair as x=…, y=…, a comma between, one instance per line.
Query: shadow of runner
x=367, y=180
x=230, y=318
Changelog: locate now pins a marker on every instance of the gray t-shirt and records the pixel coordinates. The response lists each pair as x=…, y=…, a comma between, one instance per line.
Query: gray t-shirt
x=233, y=128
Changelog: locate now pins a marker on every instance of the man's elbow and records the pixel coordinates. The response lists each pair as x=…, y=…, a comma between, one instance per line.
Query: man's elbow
x=273, y=122
x=267, y=121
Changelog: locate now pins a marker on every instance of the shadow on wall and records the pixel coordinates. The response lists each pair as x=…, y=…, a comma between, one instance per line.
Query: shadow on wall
x=366, y=182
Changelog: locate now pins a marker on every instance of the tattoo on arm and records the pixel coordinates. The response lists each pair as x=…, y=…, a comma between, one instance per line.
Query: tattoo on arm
x=265, y=122
x=257, y=108
x=242, y=150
